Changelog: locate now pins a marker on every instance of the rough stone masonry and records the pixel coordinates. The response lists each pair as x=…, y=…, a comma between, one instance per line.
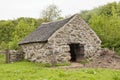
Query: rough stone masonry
x=56, y=48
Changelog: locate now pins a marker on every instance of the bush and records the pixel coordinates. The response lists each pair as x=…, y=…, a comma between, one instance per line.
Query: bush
x=3, y=46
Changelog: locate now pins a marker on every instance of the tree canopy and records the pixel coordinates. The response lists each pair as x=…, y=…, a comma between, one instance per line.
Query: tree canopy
x=51, y=13
x=105, y=21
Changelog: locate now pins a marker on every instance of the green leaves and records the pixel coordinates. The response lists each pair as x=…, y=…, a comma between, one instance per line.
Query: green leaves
x=12, y=31
x=22, y=29
x=51, y=13
x=105, y=21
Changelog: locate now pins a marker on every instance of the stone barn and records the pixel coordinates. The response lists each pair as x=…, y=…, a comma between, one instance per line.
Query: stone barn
x=61, y=41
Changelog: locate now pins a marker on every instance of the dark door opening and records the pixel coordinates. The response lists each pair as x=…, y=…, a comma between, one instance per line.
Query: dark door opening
x=77, y=52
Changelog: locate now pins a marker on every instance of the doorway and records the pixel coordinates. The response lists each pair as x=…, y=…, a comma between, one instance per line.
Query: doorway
x=76, y=52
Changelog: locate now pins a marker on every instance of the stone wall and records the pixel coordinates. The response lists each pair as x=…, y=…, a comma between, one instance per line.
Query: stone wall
x=56, y=50
x=14, y=55
x=44, y=53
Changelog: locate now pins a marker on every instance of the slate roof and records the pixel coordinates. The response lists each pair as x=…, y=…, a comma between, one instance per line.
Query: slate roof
x=42, y=33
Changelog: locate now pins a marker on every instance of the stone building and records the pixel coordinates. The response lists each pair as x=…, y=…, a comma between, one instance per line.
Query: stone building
x=61, y=41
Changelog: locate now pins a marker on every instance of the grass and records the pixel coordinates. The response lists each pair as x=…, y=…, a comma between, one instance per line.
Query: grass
x=2, y=58
x=62, y=64
x=30, y=71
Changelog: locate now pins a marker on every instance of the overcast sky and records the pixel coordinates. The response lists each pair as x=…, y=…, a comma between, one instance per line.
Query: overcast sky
x=12, y=9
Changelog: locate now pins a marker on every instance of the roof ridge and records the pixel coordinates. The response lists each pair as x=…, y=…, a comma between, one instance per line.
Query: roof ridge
x=58, y=20
x=45, y=31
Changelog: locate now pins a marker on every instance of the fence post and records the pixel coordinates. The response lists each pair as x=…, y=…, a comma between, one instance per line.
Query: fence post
x=7, y=56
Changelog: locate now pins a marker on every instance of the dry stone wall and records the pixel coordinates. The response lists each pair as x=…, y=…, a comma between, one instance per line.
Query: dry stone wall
x=57, y=49
x=14, y=55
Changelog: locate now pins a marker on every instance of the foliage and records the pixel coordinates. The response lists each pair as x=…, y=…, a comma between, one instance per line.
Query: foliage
x=6, y=29
x=23, y=28
x=86, y=14
x=105, y=21
x=51, y=13
x=3, y=46
x=12, y=31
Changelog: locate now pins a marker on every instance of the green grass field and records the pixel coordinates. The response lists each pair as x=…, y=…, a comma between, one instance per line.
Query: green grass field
x=2, y=58
x=30, y=71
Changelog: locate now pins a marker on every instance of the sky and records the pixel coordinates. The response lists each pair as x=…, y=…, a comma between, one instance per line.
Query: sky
x=12, y=9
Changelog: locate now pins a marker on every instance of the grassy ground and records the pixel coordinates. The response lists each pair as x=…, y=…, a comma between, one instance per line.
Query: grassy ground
x=2, y=58
x=30, y=71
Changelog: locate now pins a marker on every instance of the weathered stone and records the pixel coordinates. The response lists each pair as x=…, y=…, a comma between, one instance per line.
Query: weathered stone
x=33, y=59
x=15, y=55
x=56, y=49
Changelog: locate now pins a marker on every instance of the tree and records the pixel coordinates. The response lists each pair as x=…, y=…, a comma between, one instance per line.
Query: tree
x=86, y=15
x=6, y=29
x=22, y=29
x=3, y=46
x=107, y=28
x=51, y=13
